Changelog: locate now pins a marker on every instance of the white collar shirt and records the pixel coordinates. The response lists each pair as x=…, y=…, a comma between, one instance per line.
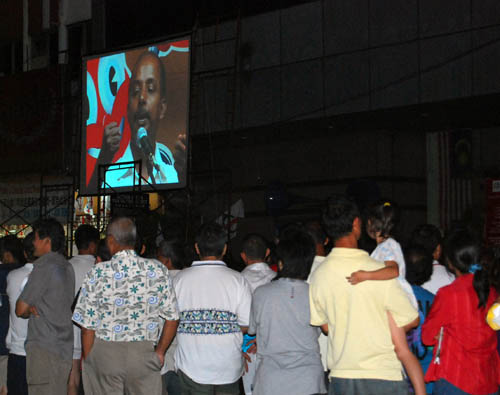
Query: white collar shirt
x=214, y=303
x=318, y=260
x=82, y=264
x=18, y=327
x=440, y=277
x=258, y=274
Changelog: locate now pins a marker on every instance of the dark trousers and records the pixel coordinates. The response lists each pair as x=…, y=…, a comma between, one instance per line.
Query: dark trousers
x=171, y=383
x=16, y=375
x=340, y=386
x=190, y=387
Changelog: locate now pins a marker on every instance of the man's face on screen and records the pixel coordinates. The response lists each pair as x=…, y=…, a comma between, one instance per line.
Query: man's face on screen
x=146, y=107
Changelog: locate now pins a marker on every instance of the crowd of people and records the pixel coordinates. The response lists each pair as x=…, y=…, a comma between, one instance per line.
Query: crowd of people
x=311, y=312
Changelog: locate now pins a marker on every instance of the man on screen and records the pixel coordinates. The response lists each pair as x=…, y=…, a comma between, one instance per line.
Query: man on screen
x=147, y=105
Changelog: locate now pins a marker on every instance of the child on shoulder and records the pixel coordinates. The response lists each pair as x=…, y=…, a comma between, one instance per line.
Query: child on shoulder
x=382, y=217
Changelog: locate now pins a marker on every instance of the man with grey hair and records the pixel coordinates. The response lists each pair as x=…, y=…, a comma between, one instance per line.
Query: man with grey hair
x=127, y=311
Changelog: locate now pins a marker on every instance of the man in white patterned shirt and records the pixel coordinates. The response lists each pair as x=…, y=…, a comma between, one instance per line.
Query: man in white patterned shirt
x=214, y=307
x=127, y=311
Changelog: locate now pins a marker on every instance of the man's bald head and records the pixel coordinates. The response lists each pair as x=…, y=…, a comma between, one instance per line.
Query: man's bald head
x=147, y=57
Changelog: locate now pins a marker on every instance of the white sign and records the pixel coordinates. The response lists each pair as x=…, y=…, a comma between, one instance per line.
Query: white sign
x=20, y=203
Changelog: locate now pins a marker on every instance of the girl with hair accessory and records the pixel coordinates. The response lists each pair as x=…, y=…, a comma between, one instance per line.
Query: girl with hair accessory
x=468, y=362
x=381, y=219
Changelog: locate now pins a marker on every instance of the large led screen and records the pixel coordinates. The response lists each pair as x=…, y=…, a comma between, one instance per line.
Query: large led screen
x=135, y=109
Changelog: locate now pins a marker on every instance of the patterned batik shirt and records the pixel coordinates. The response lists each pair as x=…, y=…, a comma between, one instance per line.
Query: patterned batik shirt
x=126, y=299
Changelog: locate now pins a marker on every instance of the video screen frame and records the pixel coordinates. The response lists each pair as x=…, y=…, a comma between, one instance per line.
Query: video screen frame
x=149, y=123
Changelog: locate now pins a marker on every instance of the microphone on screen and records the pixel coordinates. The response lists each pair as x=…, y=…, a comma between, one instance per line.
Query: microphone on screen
x=144, y=143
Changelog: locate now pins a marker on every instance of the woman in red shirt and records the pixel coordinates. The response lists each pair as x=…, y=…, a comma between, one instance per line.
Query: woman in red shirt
x=467, y=361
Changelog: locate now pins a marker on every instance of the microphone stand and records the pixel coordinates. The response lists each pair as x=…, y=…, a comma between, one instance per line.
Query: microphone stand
x=150, y=164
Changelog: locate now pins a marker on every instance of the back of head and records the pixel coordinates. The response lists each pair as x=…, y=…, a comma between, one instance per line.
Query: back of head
x=463, y=253
x=381, y=218
x=85, y=235
x=14, y=246
x=316, y=231
x=173, y=250
x=255, y=247
x=418, y=264
x=123, y=230
x=211, y=240
x=339, y=215
x=103, y=252
x=296, y=253
x=427, y=236
x=52, y=229
x=29, y=248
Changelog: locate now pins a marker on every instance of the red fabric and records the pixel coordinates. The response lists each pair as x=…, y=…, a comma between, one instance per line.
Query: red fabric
x=177, y=44
x=95, y=131
x=468, y=353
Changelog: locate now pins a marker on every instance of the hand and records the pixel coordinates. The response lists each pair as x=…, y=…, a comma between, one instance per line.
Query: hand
x=357, y=277
x=161, y=356
x=253, y=348
x=246, y=359
x=179, y=153
x=111, y=140
x=34, y=311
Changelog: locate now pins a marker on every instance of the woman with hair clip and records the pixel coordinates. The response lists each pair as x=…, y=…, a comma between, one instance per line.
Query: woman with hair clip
x=465, y=360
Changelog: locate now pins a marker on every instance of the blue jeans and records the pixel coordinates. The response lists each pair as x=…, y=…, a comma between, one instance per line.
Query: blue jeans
x=443, y=387
x=339, y=386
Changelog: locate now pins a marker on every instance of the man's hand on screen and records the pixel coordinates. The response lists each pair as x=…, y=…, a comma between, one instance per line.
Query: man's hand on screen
x=111, y=139
x=179, y=153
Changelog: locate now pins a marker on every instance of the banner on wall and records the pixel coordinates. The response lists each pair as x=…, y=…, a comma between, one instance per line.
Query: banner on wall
x=20, y=203
x=492, y=220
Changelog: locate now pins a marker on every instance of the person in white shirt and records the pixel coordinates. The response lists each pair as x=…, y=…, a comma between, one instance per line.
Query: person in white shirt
x=254, y=252
x=320, y=238
x=86, y=240
x=18, y=327
x=257, y=272
x=171, y=254
x=214, y=307
x=429, y=237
